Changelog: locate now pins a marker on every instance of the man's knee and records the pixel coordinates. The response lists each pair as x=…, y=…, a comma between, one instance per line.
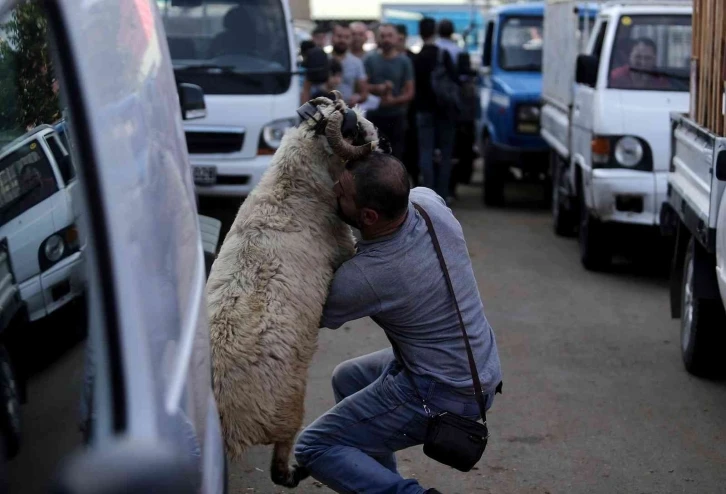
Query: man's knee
x=341, y=378
x=307, y=448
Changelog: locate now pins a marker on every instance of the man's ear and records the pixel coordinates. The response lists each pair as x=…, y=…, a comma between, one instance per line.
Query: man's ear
x=369, y=216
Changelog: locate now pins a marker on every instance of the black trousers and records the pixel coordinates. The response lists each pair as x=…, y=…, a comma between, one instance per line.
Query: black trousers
x=410, y=151
x=392, y=128
x=464, y=154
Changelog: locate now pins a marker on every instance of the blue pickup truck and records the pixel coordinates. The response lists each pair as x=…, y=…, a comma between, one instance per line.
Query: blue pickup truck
x=510, y=99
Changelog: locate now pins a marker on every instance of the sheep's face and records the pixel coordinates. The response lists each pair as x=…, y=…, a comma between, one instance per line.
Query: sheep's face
x=365, y=132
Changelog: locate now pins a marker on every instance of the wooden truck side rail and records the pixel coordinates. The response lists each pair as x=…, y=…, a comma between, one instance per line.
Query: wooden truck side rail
x=708, y=64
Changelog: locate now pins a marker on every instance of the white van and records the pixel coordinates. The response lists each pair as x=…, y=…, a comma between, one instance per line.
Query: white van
x=242, y=54
x=610, y=131
x=38, y=216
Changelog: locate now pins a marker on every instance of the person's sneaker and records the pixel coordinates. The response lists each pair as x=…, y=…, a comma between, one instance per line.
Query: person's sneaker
x=433, y=491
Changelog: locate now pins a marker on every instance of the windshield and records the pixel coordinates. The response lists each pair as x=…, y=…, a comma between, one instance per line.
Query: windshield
x=520, y=44
x=229, y=46
x=652, y=52
x=26, y=179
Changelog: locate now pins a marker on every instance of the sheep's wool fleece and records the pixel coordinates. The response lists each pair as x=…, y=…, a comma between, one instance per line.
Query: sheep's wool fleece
x=267, y=289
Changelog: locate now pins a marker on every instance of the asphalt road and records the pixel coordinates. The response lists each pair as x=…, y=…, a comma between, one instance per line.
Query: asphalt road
x=595, y=400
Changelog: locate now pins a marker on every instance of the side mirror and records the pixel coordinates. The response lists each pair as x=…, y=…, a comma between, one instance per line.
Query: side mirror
x=586, y=71
x=191, y=100
x=130, y=466
x=721, y=166
x=317, y=65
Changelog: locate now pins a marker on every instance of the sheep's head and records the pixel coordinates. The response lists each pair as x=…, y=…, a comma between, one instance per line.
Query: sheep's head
x=347, y=132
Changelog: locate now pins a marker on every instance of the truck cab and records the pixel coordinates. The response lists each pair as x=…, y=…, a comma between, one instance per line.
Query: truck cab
x=39, y=213
x=242, y=54
x=510, y=98
x=609, y=127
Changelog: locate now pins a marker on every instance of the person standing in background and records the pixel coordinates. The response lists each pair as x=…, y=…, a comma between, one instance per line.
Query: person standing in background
x=461, y=134
x=360, y=36
x=410, y=152
x=390, y=76
x=320, y=36
x=435, y=124
x=445, y=41
x=354, y=86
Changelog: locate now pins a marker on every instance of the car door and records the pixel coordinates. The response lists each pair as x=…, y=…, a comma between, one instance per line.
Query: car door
x=583, y=108
x=130, y=400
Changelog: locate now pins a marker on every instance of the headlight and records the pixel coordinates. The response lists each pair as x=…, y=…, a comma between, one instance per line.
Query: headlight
x=273, y=132
x=54, y=248
x=628, y=151
x=528, y=113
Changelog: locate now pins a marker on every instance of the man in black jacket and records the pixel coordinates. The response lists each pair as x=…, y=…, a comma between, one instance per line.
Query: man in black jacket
x=435, y=126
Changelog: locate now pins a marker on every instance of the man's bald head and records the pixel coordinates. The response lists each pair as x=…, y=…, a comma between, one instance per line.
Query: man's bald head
x=381, y=184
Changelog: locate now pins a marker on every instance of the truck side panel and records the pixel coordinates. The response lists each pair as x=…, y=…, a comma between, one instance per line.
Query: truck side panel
x=560, y=51
x=691, y=168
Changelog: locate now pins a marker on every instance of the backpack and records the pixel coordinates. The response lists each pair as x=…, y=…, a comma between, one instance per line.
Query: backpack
x=445, y=89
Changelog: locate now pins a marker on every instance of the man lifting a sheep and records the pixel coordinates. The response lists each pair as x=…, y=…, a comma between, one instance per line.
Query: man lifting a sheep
x=396, y=279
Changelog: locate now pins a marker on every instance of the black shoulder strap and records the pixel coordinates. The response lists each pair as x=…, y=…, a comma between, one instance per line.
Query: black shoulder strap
x=469, y=353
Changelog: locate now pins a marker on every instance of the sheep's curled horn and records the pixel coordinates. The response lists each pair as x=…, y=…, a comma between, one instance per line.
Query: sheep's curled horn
x=334, y=134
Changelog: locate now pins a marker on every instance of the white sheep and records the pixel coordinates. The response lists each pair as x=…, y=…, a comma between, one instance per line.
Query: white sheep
x=267, y=287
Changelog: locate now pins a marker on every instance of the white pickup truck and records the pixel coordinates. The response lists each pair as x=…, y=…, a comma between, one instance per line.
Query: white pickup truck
x=605, y=115
x=696, y=207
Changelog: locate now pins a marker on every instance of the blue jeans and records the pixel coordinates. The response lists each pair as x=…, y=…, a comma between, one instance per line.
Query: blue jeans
x=351, y=448
x=433, y=131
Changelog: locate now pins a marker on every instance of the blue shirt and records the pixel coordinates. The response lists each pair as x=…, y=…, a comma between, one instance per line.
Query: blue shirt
x=398, y=281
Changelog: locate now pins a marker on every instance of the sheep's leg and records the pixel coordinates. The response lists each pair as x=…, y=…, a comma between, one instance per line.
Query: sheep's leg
x=281, y=472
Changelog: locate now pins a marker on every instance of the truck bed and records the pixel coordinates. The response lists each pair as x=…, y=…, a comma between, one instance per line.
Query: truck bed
x=694, y=191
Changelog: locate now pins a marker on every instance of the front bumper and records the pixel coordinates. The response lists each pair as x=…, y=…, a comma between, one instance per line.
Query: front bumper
x=54, y=288
x=235, y=178
x=531, y=162
x=628, y=196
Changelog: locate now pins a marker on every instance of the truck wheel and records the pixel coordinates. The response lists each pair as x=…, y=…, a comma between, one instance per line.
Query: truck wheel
x=493, y=182
x=595, y=251
x=703, y=323
x=9, y=407
x=563, y=222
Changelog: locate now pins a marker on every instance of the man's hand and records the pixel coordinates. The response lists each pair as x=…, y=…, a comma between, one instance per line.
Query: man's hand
x=354, y=100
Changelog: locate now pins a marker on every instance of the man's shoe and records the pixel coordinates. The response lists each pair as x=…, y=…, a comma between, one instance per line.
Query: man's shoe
x=433, y=491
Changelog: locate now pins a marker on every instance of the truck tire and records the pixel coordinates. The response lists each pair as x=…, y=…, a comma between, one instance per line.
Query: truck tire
x=9, y=407
x=703, y=326
x=493, y=182
x=595, y=248
x=563, y=222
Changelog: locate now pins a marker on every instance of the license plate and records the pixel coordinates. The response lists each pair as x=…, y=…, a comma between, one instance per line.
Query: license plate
x=205, y=175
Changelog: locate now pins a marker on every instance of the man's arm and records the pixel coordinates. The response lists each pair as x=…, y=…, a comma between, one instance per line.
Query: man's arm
x=351, y=297
x=361, y=85
x=408, y=90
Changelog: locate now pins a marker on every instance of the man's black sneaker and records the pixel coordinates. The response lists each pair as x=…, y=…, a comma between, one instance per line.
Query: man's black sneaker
x=433, y=491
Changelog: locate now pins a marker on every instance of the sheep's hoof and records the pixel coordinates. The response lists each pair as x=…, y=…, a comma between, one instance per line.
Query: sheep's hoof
x=288, y=476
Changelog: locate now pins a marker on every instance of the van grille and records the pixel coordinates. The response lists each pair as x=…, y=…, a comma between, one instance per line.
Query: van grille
x=214, y=142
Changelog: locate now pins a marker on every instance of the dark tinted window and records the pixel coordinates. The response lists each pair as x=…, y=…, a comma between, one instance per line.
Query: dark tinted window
x=520, y=44
x=229, y=46
x=26, y=179
x=652, y=52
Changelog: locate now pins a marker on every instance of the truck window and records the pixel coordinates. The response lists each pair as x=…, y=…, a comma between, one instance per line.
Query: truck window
x=652, y=52
x=62, y=158
x=520, y=44
x=26, y=179
x=229, y=47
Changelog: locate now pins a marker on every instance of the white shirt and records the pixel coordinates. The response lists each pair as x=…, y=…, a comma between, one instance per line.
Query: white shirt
x=450, y=46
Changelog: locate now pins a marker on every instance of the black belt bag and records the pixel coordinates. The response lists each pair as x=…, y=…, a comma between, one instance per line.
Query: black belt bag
x=452, y=439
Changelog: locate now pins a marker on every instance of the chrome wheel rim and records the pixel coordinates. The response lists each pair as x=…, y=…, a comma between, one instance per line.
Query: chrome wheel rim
x=687, y=316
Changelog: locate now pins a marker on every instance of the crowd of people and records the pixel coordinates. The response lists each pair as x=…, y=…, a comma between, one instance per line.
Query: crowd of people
x=423, y=103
